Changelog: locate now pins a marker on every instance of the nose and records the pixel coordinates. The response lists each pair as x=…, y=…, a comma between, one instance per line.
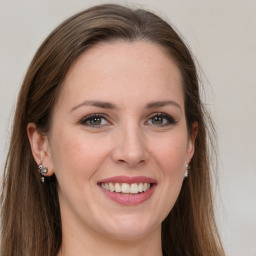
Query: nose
x=130, y=148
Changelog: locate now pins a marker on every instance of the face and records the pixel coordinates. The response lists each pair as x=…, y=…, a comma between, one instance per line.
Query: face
x=119, y=142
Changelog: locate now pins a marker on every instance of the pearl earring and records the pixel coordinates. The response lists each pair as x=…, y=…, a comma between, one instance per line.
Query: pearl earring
x=186, y=171
x=42, y=170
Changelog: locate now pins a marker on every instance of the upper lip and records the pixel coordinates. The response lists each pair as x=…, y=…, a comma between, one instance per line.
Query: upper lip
x=129, y=180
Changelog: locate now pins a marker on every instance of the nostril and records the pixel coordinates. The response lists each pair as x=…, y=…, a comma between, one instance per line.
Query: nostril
x=121, y=161
x=130, y=163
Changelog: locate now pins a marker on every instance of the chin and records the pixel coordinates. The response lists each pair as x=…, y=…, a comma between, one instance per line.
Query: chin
x=130, y=228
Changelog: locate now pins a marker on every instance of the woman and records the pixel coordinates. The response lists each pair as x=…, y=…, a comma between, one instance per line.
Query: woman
x=108, y=153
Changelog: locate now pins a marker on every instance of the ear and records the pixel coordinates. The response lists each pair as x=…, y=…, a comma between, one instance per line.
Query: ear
x=40, y=148
x=191, y=142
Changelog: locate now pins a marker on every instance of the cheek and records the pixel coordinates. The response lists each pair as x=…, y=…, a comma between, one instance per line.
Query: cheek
x=75, y=153
x=171, y=154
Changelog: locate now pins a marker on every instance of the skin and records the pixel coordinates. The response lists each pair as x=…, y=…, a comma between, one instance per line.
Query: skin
x=127, y=141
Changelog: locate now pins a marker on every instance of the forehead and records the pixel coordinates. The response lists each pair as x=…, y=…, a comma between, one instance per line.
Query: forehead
x=116, y=70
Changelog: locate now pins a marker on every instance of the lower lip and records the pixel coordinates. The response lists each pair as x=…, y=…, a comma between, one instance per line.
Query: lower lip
x=129, y=199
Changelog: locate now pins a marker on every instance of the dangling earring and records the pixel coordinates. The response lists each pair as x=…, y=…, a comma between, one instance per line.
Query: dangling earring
x=42, y=170
x=187, y=170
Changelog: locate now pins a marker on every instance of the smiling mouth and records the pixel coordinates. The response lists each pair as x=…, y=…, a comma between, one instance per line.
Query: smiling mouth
x=125, y=188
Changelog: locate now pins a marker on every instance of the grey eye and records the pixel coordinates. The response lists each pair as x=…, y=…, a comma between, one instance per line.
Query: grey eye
x=94, y=120
x=160, y=119
x=157, y=120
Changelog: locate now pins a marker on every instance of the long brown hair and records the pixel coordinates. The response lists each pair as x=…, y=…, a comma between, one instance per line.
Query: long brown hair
x=31, y=222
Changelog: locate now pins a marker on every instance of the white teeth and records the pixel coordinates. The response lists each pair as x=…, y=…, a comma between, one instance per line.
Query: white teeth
x=140, y=187
x=134, y=188
x=117, y=188
x=126, y=188
x=111, y=187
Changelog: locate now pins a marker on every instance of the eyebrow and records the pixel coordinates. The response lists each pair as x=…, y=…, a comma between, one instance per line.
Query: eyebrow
x=95, y=103
x=158, y=104
x=107, y=105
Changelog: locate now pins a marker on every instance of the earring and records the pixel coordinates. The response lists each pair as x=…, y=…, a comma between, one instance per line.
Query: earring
x=187, y=170
x=42, y=170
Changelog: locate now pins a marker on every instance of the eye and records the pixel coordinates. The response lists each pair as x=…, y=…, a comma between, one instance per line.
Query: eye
x=95, y=120
x=160, y=119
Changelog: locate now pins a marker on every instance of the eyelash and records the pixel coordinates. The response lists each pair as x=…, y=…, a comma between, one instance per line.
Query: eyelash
x=89, y=118
x=170, y=119
x=86, y=119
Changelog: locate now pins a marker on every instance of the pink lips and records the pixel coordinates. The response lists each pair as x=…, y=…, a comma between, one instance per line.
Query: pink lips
x=129, y=180
x=129, y=199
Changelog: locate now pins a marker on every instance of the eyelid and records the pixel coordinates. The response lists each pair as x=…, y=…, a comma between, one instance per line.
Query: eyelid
x=83, y=120
x=169, y=118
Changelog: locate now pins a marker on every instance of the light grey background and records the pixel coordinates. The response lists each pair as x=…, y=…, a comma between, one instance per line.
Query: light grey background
x=222, y=35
